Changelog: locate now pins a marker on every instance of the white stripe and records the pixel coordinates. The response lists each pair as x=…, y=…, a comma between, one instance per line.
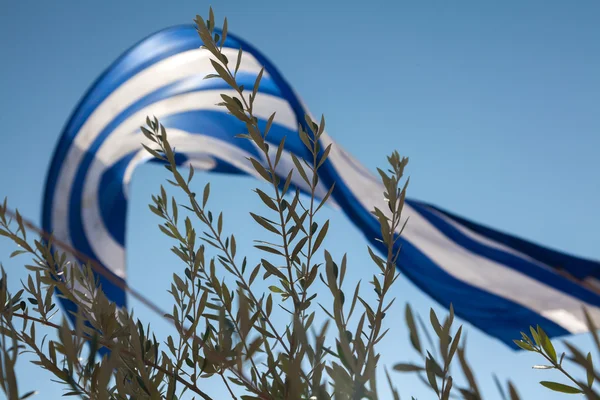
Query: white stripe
x=567, y=319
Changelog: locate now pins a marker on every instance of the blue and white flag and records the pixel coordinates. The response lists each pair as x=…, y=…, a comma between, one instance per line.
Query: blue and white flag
x=497, y=282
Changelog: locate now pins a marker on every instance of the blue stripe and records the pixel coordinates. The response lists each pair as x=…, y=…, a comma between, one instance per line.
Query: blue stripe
x=111, y=196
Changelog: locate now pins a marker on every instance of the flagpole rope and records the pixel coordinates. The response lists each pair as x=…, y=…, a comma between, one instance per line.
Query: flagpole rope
x=96, y=265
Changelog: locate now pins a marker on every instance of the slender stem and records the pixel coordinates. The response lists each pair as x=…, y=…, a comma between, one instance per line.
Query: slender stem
x=311, y=214
x=202, y=270
x=292, y=352
x=369, y=346
x=228, y=387
x=96, y=266
x=565, y=373
x=289, y=262
x=200, y=213
x=441, y=393
x=376, y=326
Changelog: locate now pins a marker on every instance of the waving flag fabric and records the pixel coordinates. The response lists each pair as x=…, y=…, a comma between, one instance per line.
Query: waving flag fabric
x=499, y=283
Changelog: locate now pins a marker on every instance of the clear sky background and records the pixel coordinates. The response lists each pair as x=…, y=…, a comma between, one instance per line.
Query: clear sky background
x=497, y=104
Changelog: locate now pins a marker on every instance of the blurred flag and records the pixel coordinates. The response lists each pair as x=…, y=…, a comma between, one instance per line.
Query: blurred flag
x=497, y=282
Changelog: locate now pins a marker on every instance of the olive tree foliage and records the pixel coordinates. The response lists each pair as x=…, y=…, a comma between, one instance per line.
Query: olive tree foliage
x=224, y=326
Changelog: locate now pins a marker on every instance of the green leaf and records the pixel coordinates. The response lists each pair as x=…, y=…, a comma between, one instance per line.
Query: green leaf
x=257, y=83
x=224, y=32
x=407, y=368
x=269, y=305
x=512, y=391
x=435, y=323
x=265, y=224
x=535, y=336
x=547, y=344
x=326, y=197
x=233, y=250
x=153, y=152
x=412, y=327
x=269, y=250
x=499, y=387
x=324, y=156
x=279, y=149
x=223, y=73
x=559, y=387
x=211, y=19
x=255, y=135
x=298, y=247
x=429, y=366
x=190, y=174
x=206, y=194
x=272, y=269
x=287, y=183
x=590, y=370
x=300, y=169
x=220, y=223
x=454, y=345
x=254, y=274
x=175, y=211
x=275, y=289
x=239, y=60
x=166, y=231
x=524, y=345
x=28, y=395
x=17, y=252
x=260, y=169
x=320, y=237
x=592, y=327
x=304, y=138
x=266, y=199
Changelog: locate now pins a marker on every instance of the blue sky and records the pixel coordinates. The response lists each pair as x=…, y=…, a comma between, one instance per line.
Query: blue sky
x=495, y=103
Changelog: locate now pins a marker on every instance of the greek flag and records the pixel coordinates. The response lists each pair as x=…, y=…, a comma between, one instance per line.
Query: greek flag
x=497, y=282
